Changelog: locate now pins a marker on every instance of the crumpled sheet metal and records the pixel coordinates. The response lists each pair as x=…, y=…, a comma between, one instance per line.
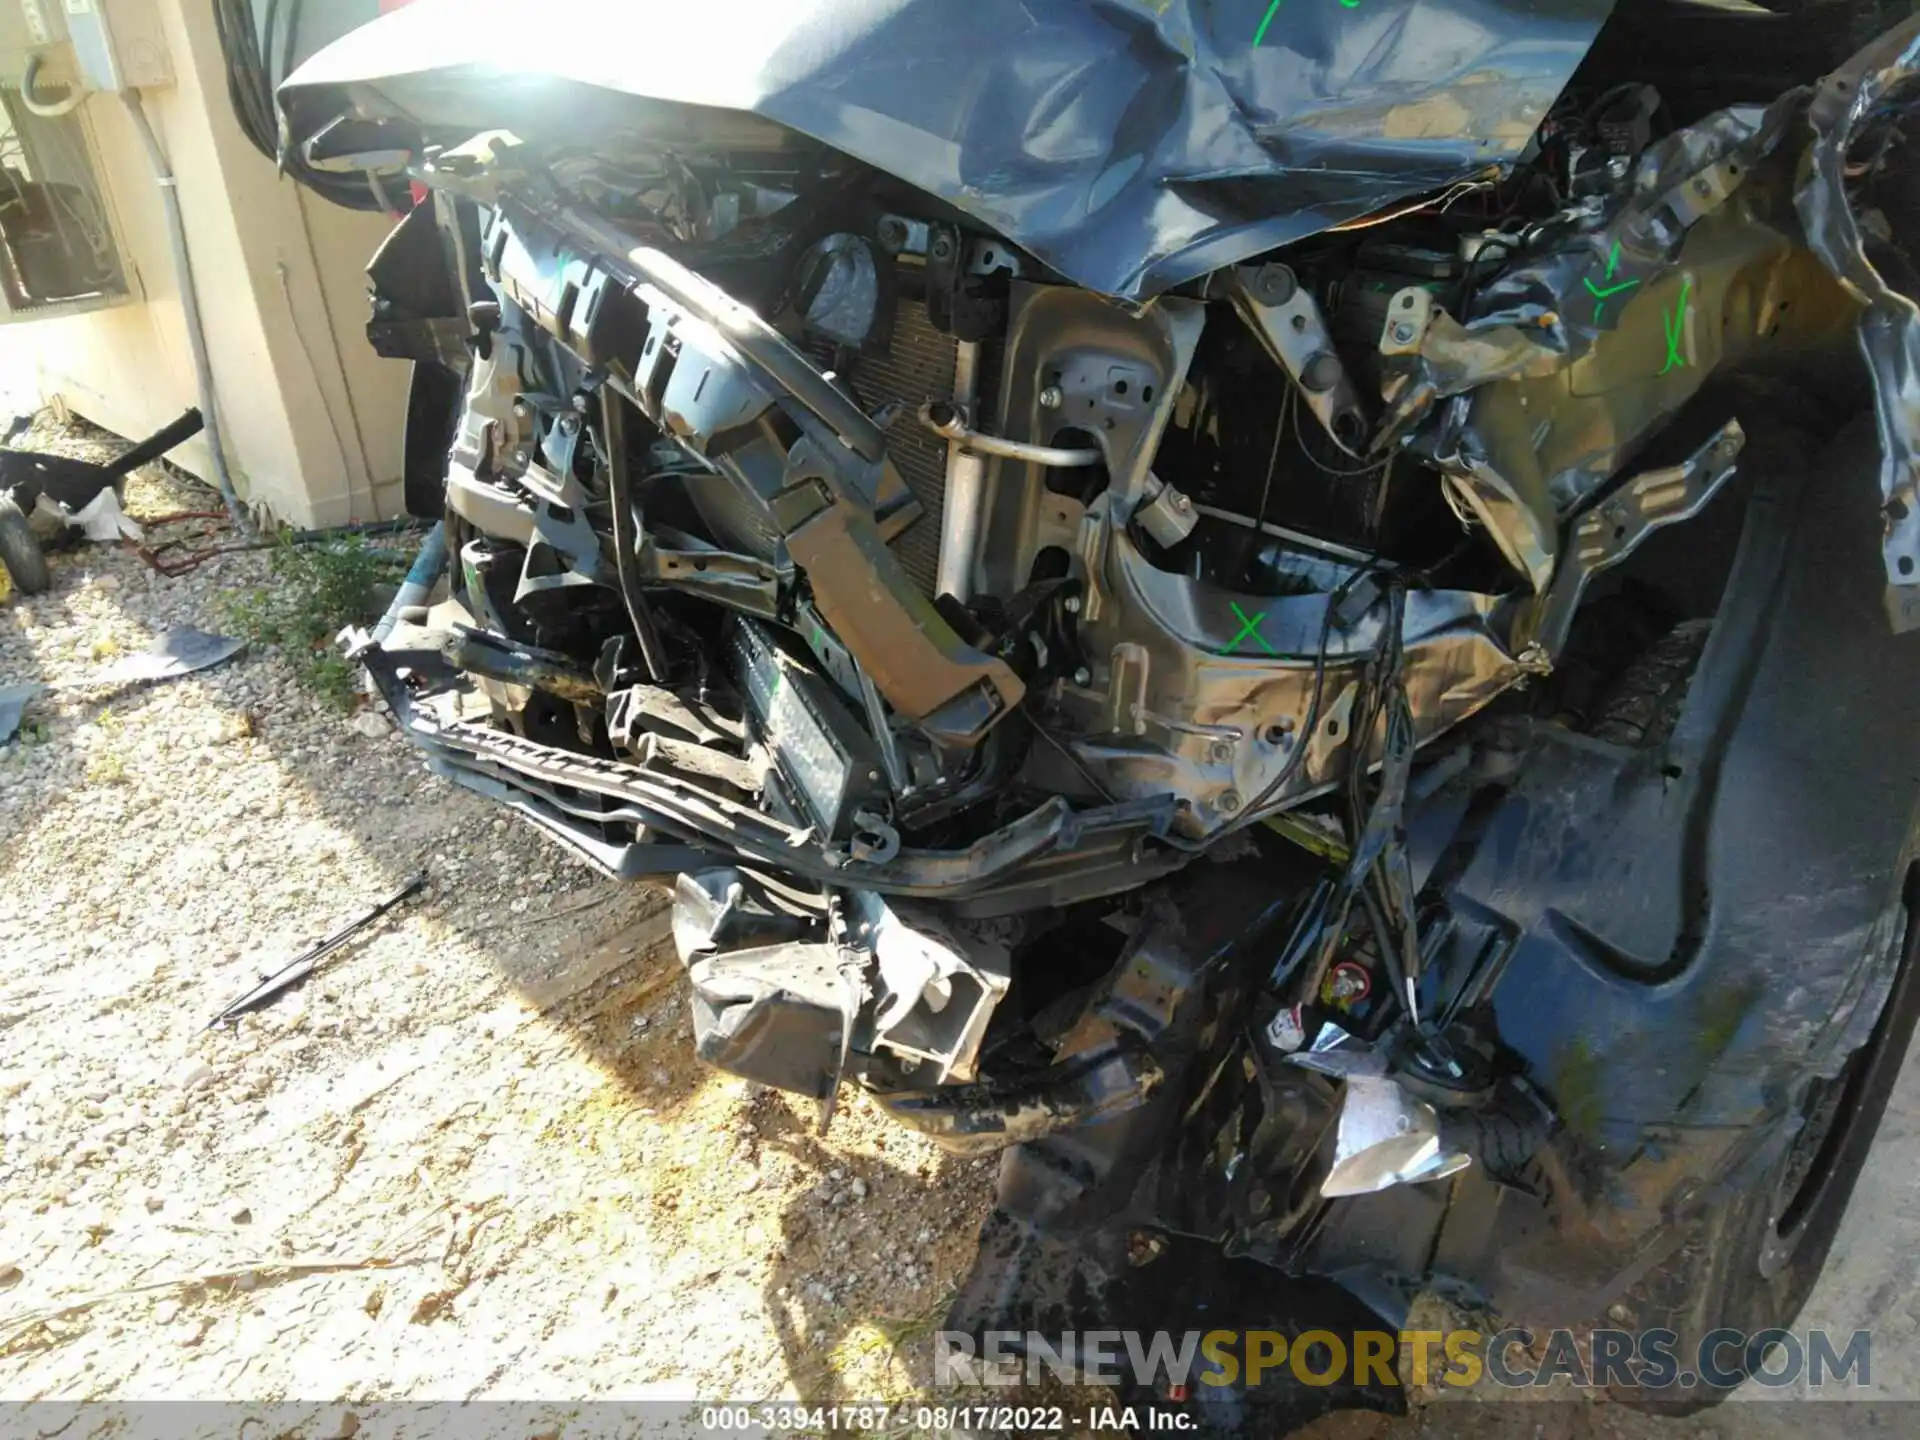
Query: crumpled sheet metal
x=1225, y=667
x=1890, y=328
x=1551, y=311
x=1537, y=317
x=1131, y=144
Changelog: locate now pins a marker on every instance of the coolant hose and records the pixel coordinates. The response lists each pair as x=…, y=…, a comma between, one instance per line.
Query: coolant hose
x=420, y=580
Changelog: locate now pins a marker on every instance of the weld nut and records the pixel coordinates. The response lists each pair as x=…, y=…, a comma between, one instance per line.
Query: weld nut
x=1274, y=284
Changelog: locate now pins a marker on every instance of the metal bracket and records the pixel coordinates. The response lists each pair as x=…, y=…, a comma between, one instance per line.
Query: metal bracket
x=1285, y=316
x=956, y=303
x=1611, y=528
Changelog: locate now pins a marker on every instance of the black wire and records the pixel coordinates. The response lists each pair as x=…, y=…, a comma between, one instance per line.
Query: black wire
x=250, y=89
x=1311, y=721
x=1071, y=758
x=625, y=534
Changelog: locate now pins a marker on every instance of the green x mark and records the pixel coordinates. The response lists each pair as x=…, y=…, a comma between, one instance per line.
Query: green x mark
x=1676, y=325
x=1249, y=627
x=1613, y=264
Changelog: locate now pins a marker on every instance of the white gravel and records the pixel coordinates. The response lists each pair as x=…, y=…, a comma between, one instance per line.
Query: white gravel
x=473, y=1157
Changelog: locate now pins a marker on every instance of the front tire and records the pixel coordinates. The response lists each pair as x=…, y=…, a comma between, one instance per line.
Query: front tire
x=1750, y=1263
x=21, y=552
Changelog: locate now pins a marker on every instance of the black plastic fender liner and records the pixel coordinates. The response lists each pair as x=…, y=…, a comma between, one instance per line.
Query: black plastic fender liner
x=1675, y=942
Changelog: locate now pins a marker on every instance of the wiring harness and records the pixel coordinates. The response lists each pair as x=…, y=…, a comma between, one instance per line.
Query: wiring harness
x=248, y=45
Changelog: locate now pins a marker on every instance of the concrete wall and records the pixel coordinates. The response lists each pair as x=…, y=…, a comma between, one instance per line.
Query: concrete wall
x=313, y=419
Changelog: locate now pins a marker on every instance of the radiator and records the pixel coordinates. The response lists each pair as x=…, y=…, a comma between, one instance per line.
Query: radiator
x=918, y=366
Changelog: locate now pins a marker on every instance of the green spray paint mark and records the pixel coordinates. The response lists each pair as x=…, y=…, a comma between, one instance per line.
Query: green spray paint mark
x=1676, y=327
x=1266, y=20
x=1602, y=296
x=1249, y=627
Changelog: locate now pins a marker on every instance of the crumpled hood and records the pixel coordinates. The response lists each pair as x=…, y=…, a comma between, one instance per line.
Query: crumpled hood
x=1131, y=144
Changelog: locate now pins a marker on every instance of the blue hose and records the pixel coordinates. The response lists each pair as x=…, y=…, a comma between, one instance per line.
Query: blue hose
x=420, y=580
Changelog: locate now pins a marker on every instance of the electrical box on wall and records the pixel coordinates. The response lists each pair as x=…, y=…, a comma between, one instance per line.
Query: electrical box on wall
x=117, y=44
x=101, y=44
x=60, y=251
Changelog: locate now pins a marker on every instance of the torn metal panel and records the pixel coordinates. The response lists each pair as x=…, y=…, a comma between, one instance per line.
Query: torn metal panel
x=1572, y=358
x=1878, y=78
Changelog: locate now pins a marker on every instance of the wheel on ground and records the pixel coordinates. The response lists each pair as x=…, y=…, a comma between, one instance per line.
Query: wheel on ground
x=1750, y=1263
x=21, y=552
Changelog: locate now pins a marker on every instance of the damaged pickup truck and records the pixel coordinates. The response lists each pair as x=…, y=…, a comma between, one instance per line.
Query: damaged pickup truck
x=1290, y=615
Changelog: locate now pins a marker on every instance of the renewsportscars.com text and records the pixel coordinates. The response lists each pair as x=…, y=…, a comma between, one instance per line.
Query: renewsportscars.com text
x=1511, y=1359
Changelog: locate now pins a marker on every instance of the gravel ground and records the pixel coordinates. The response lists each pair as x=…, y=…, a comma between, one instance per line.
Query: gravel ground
x=474, y=1157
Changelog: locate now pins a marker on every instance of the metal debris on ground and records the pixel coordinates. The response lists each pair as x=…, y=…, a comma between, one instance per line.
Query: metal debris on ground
x=298, y=969
x=173, y=653
x=183, y=650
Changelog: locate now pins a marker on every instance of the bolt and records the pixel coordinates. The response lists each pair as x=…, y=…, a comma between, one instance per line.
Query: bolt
x=1274, y=284
x=873, y=775
x=1703, y=186
x=1221, y=752
x=1181, y=503
x=943, y=247
x=520, y=457
x=1403, y=333
x=1083, y=676
x=1229, y=800
x=1051, y=398
x=569, y=424
x=1143, y=1248
x=1322, y=372
x=1533, y=659
x=1072, y=602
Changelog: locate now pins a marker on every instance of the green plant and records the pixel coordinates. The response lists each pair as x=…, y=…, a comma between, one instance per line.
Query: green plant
x=313, y=592
x=106, y=767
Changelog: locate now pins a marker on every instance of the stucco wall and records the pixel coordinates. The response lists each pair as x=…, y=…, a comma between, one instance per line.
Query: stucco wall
x=313, y=419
